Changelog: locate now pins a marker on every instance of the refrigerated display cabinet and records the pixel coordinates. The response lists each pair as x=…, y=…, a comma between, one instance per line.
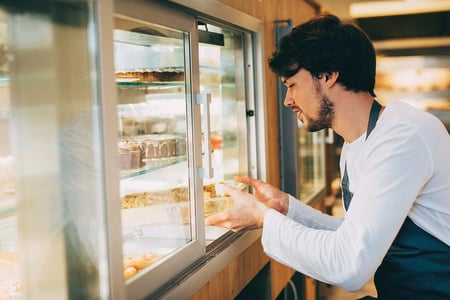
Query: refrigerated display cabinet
x=122, y=122
x=54, y=216
x=302, y=153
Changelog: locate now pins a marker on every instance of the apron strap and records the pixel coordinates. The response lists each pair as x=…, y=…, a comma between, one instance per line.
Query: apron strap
x=373, y=118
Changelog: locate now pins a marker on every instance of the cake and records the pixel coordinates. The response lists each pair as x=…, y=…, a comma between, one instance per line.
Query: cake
x=158, y=75
x=130, y=155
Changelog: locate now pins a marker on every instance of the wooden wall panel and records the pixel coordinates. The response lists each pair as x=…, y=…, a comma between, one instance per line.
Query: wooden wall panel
x=280, y=276
x=268, y=11
x=232, y=279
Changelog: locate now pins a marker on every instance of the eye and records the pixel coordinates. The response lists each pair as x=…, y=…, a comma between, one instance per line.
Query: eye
x=290, y=85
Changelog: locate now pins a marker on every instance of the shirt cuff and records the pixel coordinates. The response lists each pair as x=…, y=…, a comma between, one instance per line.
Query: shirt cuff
x=271, y=220
x=294, y=207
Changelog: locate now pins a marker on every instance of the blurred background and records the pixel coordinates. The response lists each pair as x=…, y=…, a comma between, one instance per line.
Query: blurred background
x=412, y=40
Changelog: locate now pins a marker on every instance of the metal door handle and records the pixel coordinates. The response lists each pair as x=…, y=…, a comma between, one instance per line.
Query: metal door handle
x=206, y=171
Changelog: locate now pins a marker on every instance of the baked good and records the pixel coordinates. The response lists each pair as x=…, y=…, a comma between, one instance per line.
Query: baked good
x=213, y=203
x=131, y=126
x=9, y=287
x=128, y=272
x=217, y=204
x=158, y=75
x=130, y=155
x=133, y=264
x=7, y=181
x=142, y=199
x=209, y=190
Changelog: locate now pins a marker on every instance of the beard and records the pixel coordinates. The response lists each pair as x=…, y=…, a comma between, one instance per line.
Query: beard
x=325, y=116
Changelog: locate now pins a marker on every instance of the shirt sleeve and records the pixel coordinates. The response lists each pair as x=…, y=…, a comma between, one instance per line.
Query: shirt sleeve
x=396, y=168
x=311, y=217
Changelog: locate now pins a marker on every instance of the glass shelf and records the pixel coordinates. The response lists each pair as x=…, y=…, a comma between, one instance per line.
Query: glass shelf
x=128, y=83
x=152, y=165
x=4, y=79
x=170, y=87
x=148, y=37
x=4, y=213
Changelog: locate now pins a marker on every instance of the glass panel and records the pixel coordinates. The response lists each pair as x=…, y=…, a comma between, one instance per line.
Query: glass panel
x=51, y=141
x=150, y=64
x=9, y=262
x=311, y=162
x=222, y=69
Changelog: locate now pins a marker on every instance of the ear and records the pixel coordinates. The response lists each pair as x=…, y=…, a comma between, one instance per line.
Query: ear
x=331, y=78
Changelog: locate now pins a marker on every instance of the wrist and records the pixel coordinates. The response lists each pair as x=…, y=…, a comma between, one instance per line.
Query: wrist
x=284, y=205
x=263, y=215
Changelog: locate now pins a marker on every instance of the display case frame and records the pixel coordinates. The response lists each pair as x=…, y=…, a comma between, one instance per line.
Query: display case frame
x=219, y=253
x=186, y=271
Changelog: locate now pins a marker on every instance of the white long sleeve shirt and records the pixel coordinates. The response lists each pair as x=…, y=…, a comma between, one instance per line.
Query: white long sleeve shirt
x=402, y=169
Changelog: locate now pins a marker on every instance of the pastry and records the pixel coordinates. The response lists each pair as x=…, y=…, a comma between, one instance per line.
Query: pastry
x=128, y=272
x=131, y=265
x=130, y=155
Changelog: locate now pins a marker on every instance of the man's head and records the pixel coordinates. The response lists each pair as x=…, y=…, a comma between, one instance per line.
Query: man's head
x=324, y=45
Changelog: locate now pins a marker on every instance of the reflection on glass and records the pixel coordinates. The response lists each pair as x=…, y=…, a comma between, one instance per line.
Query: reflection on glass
x=9, y=260
x=49, y=101
x=221, y=56
x=311, y=163
x=154, y=188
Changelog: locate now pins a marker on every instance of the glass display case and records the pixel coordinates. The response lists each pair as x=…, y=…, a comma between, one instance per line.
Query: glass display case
x=159, y=145
x=311, y=164
x=9, y=262
x=184, y=126
x=53, y=221
x=120, y=125
x=157, y=197
x=302, y=153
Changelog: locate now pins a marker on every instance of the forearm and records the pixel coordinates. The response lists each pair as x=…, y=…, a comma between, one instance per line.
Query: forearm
x=308, y=216
x=329, y=256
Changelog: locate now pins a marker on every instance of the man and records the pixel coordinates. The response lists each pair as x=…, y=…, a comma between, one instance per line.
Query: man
x=395, y=168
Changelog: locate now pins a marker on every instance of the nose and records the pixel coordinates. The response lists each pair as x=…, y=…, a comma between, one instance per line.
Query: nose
x=288, y=100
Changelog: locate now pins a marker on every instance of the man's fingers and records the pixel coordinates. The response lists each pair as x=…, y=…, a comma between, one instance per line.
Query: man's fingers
x=222, y=220
x=253, y=182
x=232, y=191
x=215, y=219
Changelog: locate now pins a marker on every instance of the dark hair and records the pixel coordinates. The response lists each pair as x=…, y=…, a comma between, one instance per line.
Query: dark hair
x=324, y=44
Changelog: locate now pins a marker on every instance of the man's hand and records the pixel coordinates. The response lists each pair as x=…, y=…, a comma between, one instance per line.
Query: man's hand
x=248, y=210
x=271, y=196
x=246, y=213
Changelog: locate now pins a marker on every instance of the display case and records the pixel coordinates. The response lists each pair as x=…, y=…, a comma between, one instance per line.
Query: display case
x=53, y=215
x=121, y=122
x=302, y=153
x=183, y=128
x=311, y=164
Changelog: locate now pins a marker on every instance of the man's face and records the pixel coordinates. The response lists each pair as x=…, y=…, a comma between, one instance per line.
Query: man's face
x=306, y=98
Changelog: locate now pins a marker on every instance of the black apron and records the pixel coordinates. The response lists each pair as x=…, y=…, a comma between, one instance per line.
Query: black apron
x=417, y=265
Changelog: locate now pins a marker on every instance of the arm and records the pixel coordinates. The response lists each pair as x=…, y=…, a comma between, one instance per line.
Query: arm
x=248, y=210
x=394, y=172
x=308, y=216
